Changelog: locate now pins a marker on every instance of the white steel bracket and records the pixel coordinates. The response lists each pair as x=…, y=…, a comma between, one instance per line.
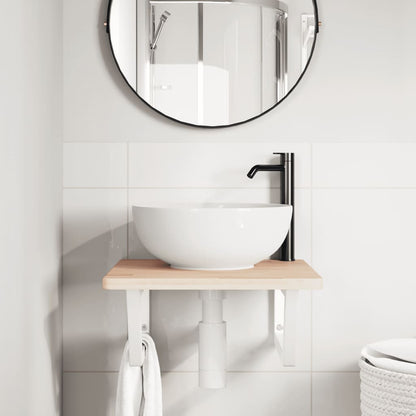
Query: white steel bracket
x=137, y=324
x=285, y=317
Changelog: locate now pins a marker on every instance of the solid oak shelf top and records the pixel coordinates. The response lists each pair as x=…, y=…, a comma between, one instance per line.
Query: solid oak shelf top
x=157, y=275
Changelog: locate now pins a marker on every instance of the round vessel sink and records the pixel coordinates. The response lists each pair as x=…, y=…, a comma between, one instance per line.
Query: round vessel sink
x=212, y=236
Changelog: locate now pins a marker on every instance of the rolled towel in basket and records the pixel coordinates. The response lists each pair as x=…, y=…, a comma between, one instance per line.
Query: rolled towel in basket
x=397, y=355
x=388, y=378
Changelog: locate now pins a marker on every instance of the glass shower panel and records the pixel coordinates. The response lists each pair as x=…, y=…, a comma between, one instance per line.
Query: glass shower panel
x=216, y=63
x=232, y=62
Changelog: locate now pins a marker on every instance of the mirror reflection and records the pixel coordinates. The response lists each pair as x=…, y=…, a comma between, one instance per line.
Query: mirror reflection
x=212, y=63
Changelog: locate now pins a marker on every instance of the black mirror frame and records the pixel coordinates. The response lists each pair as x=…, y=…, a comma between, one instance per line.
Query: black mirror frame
x=317, y=24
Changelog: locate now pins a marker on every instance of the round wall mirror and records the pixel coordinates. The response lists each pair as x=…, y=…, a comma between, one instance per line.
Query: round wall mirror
x=212, y=63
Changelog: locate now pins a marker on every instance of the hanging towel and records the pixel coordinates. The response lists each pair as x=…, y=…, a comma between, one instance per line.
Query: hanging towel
x=397, y=355
x=139, y=389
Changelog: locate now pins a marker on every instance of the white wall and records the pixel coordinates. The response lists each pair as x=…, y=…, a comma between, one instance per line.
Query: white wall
x=30, y=220
x=349, y=121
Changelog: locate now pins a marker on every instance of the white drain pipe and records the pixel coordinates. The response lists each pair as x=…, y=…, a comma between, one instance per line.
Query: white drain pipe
x=212, y=341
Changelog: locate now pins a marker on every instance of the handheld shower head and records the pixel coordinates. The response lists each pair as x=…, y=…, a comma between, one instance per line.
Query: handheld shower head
x=165, y=15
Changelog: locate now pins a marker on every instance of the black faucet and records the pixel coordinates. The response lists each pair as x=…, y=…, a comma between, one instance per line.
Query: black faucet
x=287, y=191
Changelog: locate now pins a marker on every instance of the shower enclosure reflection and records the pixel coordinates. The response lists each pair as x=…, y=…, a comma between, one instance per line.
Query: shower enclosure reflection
x=208, y=62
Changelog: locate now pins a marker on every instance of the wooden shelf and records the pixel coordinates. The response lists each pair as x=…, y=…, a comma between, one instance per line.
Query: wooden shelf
x=157, y=275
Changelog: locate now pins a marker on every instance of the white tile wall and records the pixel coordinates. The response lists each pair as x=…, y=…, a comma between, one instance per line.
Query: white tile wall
x=95, y=238
x=355, y=226
x=89, y=394
x=95, y=165
x=335, y=394
x=247, y=394
x=363, y=245
x=364, y=165
x=210, y=165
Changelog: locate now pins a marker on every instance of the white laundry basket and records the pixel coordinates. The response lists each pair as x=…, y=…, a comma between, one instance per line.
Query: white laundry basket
x=386, y=393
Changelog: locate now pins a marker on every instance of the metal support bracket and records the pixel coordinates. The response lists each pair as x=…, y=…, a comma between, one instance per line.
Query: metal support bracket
x=137, y=323
x=285, y=317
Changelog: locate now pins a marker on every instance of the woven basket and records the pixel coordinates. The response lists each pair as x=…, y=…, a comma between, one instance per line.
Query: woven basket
x=386, y=393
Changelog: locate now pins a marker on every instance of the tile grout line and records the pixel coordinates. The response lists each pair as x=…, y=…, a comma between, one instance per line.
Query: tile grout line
x=182, y=187
x=228, y=372
x=61, y=280
x=364, y=188
x=311, y=294
x=173, y=140
x=128, y=197
x=238, y=188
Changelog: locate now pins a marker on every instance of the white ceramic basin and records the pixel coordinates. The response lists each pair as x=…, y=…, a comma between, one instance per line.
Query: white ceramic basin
x=212, y=236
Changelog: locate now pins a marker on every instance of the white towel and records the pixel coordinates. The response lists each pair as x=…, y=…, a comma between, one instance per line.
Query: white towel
x=398, y=355
x=139, y=389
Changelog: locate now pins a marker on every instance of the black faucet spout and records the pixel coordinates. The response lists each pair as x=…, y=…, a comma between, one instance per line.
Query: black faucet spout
x=264, y=168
